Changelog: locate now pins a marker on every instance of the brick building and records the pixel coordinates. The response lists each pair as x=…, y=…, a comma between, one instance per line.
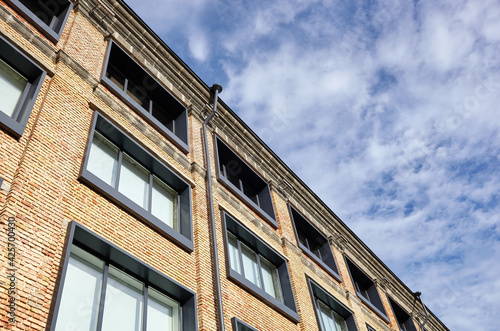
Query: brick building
x=108, y=214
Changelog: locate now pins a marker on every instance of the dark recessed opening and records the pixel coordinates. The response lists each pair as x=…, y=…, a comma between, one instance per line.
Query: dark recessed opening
x=136, y=87
x=244, y=181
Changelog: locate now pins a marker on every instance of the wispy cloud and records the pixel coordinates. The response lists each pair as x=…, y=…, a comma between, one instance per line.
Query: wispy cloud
x=198, y=45
x=394, y=103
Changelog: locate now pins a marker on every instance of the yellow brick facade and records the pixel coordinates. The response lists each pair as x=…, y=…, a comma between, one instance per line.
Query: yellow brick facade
x=42, y=191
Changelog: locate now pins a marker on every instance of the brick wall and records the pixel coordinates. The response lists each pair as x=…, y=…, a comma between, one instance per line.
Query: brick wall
x=43, y=167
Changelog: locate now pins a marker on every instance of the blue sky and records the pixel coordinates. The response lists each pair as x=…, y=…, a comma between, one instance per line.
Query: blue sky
x=388, y=110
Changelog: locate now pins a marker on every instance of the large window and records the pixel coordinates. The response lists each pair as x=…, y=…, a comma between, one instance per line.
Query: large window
x=331, y=314
x=244, y=182
x=20, y=82
x=239, y=325
x=49, y=16
x=254, y=267
x=366, y=290
x=127, y=174
x=313, y=243
x=405, y=322
x=259, y=268
x=146, y=96
x=104, y=288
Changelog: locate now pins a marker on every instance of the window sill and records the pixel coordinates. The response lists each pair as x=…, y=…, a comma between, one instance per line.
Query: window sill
x=249, y=202
x=322, y=264
x=122, y=201
x=261, y=294
x=12, y=127
x=183, y=146
x=373, y=308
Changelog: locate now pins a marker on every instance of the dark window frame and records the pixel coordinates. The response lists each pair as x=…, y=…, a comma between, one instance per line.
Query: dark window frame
x=264, y=207
x=369, y=328
x=98, y=246
x=369, y=293
x=326, y=260
x=184, y=235
x=52, y=33
x=239, y=325
x=287, y=307
x=258, y=257
x=178, y=134
x=319, y=293
x=35, y=75
x=402, y=317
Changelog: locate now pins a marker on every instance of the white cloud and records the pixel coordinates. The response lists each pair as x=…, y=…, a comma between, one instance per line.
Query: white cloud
x=169, y=16
x=406, y=150
x=389, y=113
x=198, y=45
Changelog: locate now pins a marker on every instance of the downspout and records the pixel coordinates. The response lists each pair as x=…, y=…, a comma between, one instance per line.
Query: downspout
x=417, y=296
x=215, y=89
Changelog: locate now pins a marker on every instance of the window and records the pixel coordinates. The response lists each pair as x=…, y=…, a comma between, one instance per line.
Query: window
x=313, y=243
x=366, y=290
x=329, y=319
x=20, y=82
x=254, y=267
x=104, y=288
x=239, y=325
x=405, y=322
x=331, y=314
x=244, y=182
x=258, y=268
x=49, y=16
x=146, y=96
x=127, y=174
x=369, y=328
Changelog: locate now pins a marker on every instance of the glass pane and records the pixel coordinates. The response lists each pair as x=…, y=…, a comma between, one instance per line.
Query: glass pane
x=44, y=10
x=123, y=303
x=81, y=294
x=231, y=171
x=362, y=290
x=339, y=322
x=250, y=266
x=317, y=253
x=103, y=159
x=163, y=116
x=314, y=247
x=269, y=278
x=234, y=256
x=303, y=240
x=12, y=85
x=115, y=76
x=250, y=192
x=134, y=181
x=327, y=322
x=164, y=203
x=163, y=312
x=138, y=94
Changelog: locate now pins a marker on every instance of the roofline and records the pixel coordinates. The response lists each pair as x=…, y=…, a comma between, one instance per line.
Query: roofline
x=283, y=164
